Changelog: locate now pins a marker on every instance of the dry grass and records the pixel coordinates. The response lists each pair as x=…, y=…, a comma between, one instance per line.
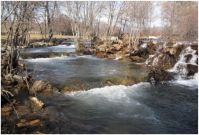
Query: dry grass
x=39, y=36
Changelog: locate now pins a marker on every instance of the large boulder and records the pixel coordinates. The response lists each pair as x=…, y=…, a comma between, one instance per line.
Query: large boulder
x=162, y=60
x=157, y=75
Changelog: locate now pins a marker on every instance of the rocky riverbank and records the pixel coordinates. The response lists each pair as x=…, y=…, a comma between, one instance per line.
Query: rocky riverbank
x=121, y=49
x=20, y=102
x=158, y=57
x=24, y=98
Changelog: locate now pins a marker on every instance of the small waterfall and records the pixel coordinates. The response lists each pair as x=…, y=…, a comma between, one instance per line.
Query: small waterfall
x=187, y=57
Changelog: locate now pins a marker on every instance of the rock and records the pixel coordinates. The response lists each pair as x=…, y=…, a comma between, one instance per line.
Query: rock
x=25, y=123
x=151, y=48
x=101, y=54
x=102, y=48
x=127, y=55
x=34, y=122
x=188, y=57
x=117, y=47
x=6, y=110
x=109, y=82
x=42, y=87
x=36, y=103
x=111, y=56
x=170, y=43
x=119, y=55
x=120, y=41
x=157, y=75
x=88, y=51
x=23, y=109
x=39, y=86
x=171, y=50
x=137, y=59
x=194, y=46
x=73, y=87
x=162, y=60
x=191, y=69
x=40, y=44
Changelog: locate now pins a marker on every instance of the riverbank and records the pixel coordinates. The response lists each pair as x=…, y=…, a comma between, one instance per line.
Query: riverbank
x=37, y=98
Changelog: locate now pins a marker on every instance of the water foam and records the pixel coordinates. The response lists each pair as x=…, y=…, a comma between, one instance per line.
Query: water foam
x=61, y=58
x=123, y=99
x=181, y=66
x=192, y=82
x=47, y=59
x=116, y=93
x=62, y=46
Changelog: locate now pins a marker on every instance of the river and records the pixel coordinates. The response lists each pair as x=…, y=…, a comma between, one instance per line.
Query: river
x=171, y=107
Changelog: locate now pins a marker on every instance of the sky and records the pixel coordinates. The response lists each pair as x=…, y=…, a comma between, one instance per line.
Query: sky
x=156, y=21
x=157, y=16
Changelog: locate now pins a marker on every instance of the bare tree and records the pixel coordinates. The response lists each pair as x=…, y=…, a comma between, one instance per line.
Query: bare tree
x=180, y=20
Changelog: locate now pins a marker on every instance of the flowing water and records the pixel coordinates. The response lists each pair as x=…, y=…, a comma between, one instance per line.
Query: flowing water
x=83, y=69
x=139, y=108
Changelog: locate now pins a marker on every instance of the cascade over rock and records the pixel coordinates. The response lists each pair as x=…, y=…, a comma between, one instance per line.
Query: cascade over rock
x=179, y=59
